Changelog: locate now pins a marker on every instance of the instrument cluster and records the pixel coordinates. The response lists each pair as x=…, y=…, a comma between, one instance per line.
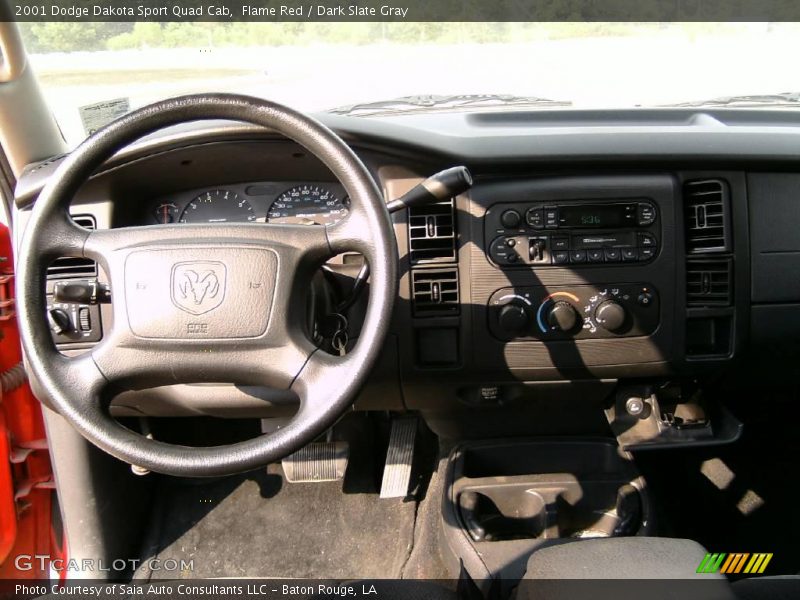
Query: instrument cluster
x=307, y=203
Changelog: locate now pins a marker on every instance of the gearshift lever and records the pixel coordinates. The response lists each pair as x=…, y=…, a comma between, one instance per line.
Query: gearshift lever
x=436, y=188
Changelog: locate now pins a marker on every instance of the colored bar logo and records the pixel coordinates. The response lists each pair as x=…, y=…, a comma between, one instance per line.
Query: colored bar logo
x=737, y=562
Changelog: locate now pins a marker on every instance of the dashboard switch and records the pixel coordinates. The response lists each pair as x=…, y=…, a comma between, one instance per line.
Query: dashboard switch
x=645, y=214
x=630, y=254
x=84, y=319
x=537, y=250
x=551, y=217
x=595, y=255
x=560, y=257
x=562, y=316
x=535, y=218
x=610, y=315
x=513, y=318
x=577, y=256
x=510, y=219
x=60, y=321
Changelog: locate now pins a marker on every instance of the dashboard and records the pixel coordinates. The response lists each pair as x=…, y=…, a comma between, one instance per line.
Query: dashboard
x=312, y=203
x=592, y=248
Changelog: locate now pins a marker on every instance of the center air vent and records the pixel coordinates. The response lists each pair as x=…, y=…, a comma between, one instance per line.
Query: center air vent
x=431, y=233
x=709, y=283
x=75, y=267
x=706, y=209
x=434, y=292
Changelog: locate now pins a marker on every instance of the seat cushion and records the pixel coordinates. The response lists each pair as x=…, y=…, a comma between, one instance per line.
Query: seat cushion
x=618, y=558
x=621, y=568
x=768, y=588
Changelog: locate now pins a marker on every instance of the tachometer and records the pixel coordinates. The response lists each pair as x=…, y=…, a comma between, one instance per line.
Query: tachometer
x=311, y=204
x=218, y=206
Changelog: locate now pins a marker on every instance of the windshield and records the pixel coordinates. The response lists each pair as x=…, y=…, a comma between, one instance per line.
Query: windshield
x=92, y=72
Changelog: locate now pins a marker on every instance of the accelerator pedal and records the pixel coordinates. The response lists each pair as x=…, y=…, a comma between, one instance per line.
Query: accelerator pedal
x=397, y=472
x=317, y=462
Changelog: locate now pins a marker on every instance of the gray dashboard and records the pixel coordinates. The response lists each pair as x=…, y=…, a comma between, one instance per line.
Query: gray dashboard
x=451, y=355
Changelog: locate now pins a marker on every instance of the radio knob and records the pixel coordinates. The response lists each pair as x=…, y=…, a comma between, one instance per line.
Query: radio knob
x=513, y=318
x=610, y=315
x=562, y=316
x=510, y=219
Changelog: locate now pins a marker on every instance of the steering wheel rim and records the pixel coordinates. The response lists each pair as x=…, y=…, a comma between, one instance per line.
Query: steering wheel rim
x=150, y=342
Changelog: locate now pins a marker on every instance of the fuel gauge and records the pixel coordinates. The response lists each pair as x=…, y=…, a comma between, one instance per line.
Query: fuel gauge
x=166, y=213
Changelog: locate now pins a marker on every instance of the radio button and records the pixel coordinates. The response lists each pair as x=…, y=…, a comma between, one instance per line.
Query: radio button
x=612, y=254
x=577, y=256
x=551, y=217
x=595, y=255
x=645, y=214
x=560, y=257
x=646, y=253
x=559, y=243
x=535, y=218
x=630, y=254
x=646, y=240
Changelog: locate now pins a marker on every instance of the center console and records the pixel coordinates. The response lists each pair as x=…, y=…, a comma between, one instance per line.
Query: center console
x=504, y=499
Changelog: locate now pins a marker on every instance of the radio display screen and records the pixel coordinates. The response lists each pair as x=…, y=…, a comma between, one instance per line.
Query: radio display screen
x=601, y=216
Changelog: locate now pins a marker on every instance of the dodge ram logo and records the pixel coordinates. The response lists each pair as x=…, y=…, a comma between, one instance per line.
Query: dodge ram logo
x=198, y=287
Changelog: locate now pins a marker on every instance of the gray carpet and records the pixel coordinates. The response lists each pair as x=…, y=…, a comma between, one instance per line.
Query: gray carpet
x=259, y=525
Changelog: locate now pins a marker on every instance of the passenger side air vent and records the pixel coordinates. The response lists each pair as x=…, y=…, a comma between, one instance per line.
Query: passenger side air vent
x=435, y=292
x=709, y=282
x=70, y=267
x=431, y=233
x=706, y=209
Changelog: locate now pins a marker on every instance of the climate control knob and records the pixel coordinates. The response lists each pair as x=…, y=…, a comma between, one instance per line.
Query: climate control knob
x=562, y=316
x=513, y=318
x=610, y=315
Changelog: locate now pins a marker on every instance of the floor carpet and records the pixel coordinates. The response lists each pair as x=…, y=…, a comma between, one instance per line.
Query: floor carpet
x=258, y=525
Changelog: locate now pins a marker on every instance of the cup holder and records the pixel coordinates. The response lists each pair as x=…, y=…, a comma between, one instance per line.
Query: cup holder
x=505, y=498
x=541, y=490
x=486, y=522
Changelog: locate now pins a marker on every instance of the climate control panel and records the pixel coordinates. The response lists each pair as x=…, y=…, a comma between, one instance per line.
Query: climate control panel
x=574, y=312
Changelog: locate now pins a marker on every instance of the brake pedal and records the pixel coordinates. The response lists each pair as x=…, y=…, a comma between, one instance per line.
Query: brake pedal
x=397, y=472
x=317, y=462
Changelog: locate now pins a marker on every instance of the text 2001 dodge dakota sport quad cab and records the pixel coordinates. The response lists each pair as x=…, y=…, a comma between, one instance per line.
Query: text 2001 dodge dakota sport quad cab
x=400, y=310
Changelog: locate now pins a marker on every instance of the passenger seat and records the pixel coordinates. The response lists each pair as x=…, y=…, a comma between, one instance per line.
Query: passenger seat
x=651, y=568
x=786, y=587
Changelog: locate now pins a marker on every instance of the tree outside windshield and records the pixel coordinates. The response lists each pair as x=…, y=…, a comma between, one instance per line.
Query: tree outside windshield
x=319, y=66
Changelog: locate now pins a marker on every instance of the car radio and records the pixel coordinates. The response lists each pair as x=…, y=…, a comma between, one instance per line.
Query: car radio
x=571, y=233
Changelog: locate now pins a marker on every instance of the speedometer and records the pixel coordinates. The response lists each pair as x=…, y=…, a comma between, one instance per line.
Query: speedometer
x=218, y=206
x=308, y=204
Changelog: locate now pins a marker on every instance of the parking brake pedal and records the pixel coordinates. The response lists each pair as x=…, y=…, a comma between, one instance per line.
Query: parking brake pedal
x=397, y=472
x=317, y=462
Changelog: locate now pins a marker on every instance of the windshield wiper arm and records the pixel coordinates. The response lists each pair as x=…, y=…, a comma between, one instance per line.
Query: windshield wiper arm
x=440, y=102
x=786, y=98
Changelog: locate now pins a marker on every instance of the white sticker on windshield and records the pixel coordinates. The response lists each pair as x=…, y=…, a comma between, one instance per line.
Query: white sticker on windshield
x=95, y=116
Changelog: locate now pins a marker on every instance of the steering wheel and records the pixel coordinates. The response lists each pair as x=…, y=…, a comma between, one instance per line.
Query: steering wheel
x=206, y=302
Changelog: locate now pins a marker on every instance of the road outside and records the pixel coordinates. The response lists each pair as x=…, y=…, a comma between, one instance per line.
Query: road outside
x=591, y=72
